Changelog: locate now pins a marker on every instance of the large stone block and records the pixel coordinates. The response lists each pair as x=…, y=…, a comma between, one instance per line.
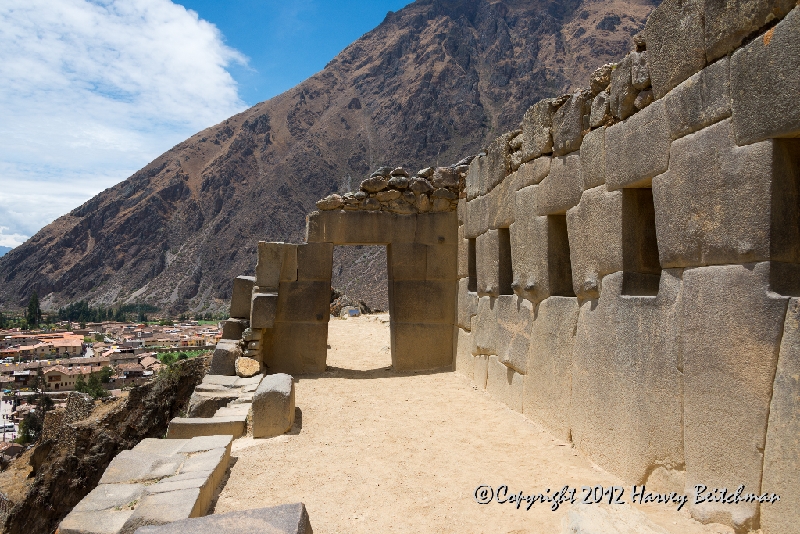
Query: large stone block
x=675, y=43
x=163, y=508
x=514, y=316
x=781, y=461
x=298, y=348
x=289, y=266
x=546, y=396
x=593, y=158
x=765, y=76
x=595, y=239
x=270, y=264
x=719, y=203
x=729, y=23
x=622, y=93
x=537, y=125
x=189, y=427
x=504, y=384
x=263, y=309
x=435, y=229
x=533, y=172
x=498, y=160
x=477, y=178
x=701, y=100
x=419, y=346
x=442, y=262
x=232, y=329
x=429, y=301
x=626, y=379
x=638, y=149
x=407, y=261
x=485, y=328
x=467, y=304
x=732, y=327
x=223, y=361
x=206, y=403
x=283, y=519
x=463, y=254
x=562, y=188
x=500, y=203
x=477, y=217
x=487, y=251
x=481, y=372
x=314, y=261
x=465, y=361
x=361, y=227
x=240, y=298
x=273, y=406
x=303, y=302
x=568, y=124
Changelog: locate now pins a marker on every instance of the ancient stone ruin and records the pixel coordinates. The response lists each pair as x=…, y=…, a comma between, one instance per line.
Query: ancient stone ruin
x=623, y=269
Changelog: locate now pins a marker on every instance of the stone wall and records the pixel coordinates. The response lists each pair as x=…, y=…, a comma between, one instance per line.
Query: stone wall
x=627, y=258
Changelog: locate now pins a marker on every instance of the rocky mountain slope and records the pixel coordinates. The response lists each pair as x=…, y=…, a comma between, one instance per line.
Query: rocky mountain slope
x=432, y=83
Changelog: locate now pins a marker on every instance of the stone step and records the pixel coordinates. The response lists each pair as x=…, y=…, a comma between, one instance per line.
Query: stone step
x=190, y=427
x=157, y=482
x=234, y=410
x=283, y=519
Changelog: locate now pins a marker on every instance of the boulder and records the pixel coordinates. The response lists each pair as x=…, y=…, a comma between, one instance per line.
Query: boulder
x=623, y=94
x=331, y=202
x=600, y=78
x=537, y=126
x=601, y=109
x=640, y=73
x=420, y=185
x=568, y=124
x=445, y=177
x=223, y=361
x=398, y=182
x=247, y=367
x=273, y=406
x=373, y=184
x=382, y=171
x=400, y=171
x=387, y=196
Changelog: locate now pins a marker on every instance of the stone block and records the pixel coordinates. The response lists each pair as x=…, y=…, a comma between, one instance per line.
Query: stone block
x=465, y=361
x=206, y=443
x=701, y=100
x=500, y=203
x=429, y=301
x=593, y=158
x=537, y=125
x=719, y=203
x=206, y=403
x=675, y=43
x=407, y=261
x=467, y=304
x=600, y=112
x=595, y=239
x=420, y=346
x=289, y=266
x=514, y=317
x=477, y=217
x=270, y=264
x=732, y=327
x=640, y=72
x=298, y=348
x=163, y=508
x=532, y=172
x=223, y=361
x=622, y=93
x=729, y=23
x=504, y=384
x=781, y=462
x=498, y=160
x=485, y=328
x=436, y=229
x=638, y=149
x=134, y=466
x=232, y=329
x=189, y=427
x=315, y=261
x=273, y=406
x=765, y=75
x=463, y=254
x=568, y=123
x=625, y=410
x=216, y=379
x=481, y=373
x=360, y=227
x=546, y=396
x=263, y=309
x=477, y=178
x=99, y=522
x=303, y=302
x=247, y=367
x=283, y=519
x=240, y=297
x=562, y=188
x=487, y=252
x=442, y=262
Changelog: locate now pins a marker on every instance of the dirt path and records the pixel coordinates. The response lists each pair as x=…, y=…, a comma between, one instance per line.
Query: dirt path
x=382, y=452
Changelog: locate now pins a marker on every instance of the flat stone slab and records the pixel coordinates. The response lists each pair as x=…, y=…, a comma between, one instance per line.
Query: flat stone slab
x=156, y=482
x=220, y=380
x=273, y=406
x=283, y=519
x=191, y=427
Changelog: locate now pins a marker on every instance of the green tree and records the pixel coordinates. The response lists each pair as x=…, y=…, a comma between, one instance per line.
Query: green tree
x=34, y=315
x=95, y=387
x=29, y=428
x=105, y=374
x=80, y=384
x=3, y=321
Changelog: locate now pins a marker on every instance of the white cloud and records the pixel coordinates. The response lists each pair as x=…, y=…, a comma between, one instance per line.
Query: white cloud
x=90, y=91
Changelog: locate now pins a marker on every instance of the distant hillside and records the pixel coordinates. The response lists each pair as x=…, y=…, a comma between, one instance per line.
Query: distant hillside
x=432, y=83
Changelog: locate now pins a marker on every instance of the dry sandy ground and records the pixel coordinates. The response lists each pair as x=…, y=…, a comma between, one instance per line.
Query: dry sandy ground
x=377, y=451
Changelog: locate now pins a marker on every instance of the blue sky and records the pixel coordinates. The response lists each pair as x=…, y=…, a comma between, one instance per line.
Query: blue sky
x=93, y=90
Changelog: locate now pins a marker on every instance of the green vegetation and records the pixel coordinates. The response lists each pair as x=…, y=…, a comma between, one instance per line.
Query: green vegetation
x=34, y=315
x=168, y=358
x=94, y=386
x=31, y=426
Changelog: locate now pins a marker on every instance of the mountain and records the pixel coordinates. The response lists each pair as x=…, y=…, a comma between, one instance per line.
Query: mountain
x=3, y=250
x=434, y=82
